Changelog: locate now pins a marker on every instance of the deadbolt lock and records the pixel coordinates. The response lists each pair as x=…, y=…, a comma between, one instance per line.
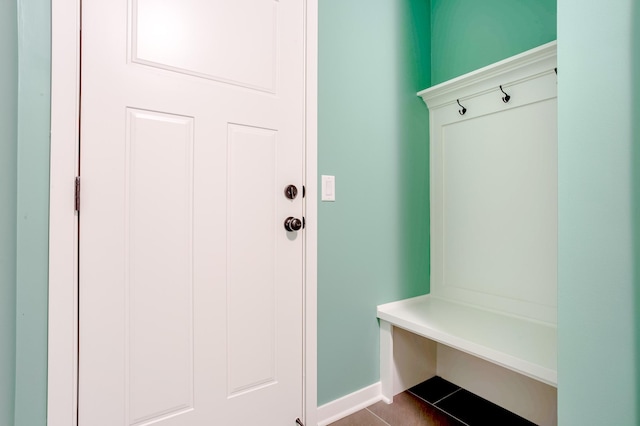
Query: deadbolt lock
x=291, y=192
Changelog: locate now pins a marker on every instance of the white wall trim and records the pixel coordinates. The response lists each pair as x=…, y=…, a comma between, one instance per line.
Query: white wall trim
x=349, y=404
x=62, y=345
x=311, y=215
x=63, y=324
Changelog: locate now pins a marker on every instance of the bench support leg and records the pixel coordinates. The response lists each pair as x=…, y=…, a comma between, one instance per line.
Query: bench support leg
x=386, y=361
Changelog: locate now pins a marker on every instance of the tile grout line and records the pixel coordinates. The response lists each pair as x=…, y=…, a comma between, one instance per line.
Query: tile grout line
x=447, y=396
x=438, y=408
x=452, y=416
x=448, y=413
x=378, y=417
x=433, y=404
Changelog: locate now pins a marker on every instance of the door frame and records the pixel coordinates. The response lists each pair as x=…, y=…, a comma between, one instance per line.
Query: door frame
x=62, y=392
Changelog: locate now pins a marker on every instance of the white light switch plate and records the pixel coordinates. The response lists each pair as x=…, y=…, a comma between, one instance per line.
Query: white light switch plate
x=328, y=188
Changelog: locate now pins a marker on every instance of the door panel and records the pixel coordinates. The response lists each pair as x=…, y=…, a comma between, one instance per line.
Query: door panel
x=190, y=287
x=193, y=37
x=159, y=280
x=252, y=252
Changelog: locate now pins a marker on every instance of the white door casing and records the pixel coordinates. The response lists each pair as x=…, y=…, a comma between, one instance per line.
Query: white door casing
x=162, y=125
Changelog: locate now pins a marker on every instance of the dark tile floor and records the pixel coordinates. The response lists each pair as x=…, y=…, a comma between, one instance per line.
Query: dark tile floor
x=434, y=402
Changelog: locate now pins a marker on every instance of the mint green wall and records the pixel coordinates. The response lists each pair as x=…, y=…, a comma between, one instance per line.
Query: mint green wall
x=8, y=136
x=34, y=57
x=373, y=133
x=373, y=241
x=470, y=34
x=597, y=318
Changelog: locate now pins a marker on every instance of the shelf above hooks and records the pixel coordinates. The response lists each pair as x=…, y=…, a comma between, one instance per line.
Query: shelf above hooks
x=541, y=60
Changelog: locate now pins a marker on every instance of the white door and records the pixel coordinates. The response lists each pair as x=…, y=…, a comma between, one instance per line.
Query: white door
x=192, y=125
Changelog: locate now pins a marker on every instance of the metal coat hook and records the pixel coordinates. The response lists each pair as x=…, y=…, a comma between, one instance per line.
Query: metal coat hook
x=462, y=111
x=506, y=97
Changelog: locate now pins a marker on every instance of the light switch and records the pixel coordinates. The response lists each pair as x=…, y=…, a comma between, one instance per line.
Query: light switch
x=328, y=188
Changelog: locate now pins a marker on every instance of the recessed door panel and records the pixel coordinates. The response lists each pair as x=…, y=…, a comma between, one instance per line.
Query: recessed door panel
x=229, y=41
x=252, y=251
x=159, y=264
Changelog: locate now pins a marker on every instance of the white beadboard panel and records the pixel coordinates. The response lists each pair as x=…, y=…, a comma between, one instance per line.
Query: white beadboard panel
x=500, y=205
x=216, y=39
x=252, y=262
x=159, y=264
x=493, y=181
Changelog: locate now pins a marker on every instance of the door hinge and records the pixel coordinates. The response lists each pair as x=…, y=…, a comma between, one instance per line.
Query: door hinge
x=77, y=196
x=299, y=422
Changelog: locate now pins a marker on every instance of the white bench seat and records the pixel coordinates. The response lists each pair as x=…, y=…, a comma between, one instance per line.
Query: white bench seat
x=525, y=346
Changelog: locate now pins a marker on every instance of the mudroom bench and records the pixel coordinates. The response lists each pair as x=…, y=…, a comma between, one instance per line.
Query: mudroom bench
x=492, y=303
x=525, y=346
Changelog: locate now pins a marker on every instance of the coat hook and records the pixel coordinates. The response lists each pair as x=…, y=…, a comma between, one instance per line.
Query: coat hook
x=463, y=110
x=506, y=97
x=556, y=70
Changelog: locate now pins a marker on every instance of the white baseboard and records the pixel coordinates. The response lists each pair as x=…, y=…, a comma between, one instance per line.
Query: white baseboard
x=349, y=404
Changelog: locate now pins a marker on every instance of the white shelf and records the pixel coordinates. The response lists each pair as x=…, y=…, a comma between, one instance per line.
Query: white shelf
x=523, y=66
x=525, y=346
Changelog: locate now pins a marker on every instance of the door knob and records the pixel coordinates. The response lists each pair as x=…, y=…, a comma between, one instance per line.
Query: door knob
x=291, y=192
x=292, y=224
